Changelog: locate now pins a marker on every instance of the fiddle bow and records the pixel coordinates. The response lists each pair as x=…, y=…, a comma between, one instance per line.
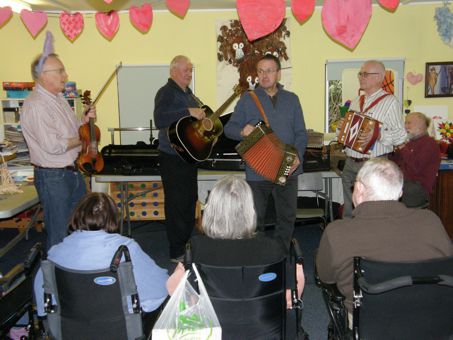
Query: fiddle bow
x=90, y=160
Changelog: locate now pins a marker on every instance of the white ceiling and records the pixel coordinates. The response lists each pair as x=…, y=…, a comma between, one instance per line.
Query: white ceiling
x=100, y=5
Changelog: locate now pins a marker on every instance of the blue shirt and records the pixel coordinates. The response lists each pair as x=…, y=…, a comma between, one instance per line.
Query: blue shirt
x=170, y=105
x=92, y=250
x=286, y=119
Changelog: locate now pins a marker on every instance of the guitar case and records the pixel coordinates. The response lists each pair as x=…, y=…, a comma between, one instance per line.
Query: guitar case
x=131, y=160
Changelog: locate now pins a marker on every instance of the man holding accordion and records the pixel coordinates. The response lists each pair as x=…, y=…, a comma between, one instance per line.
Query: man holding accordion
x=382, y=107
x=274, y=161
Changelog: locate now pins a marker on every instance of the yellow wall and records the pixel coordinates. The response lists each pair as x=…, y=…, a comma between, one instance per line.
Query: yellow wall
x=410, y=33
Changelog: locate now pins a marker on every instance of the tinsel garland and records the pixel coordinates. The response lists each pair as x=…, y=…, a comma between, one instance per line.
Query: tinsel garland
x=444, y=20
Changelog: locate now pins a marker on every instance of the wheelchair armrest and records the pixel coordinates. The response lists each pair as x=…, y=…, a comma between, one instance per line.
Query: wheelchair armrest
x=384, y=286
x=446, y=280
x=10, y=279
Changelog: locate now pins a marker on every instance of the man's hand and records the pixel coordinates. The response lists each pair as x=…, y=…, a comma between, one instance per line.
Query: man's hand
x=295, y=165
x=247, y=130
x=90, y=114
x=197, y=112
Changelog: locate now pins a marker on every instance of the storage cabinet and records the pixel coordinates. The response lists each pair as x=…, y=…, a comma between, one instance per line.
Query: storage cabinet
x=442, y=199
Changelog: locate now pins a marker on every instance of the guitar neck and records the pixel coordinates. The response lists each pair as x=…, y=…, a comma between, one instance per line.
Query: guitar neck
x=222, y=108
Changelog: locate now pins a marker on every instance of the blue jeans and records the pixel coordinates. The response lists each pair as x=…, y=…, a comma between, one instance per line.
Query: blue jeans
x=59, y=191
x=285, y=200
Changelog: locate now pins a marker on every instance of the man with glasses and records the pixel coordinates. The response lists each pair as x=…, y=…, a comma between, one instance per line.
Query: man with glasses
x=286, y=119
x=51, y=130
x=379, y=105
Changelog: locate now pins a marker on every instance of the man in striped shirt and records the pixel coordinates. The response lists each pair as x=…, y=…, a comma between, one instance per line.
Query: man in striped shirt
x=50, y=128
x=379, y=105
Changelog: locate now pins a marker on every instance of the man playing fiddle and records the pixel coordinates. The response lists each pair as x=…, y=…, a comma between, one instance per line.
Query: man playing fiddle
x=50, y=128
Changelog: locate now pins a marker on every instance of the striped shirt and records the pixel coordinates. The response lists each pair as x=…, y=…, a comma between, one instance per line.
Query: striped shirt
x=388, y=112
x=48, y=122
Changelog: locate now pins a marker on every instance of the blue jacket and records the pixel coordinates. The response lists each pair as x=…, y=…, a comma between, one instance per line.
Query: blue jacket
x=286, y=120
x=171, y=104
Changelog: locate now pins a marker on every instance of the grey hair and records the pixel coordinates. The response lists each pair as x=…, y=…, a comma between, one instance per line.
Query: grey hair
x=35, y=69
x=178, y=59
x=422, y=117
x=382, y=179
x=230, y=211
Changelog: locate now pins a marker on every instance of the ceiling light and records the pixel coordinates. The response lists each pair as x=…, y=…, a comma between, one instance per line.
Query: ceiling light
x=16, y=5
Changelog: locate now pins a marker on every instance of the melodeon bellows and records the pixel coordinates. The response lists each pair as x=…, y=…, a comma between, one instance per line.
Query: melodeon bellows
x=267, y=155
x=354, y=126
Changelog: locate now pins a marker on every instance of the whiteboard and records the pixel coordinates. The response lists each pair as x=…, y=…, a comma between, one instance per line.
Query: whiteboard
x=137, y=87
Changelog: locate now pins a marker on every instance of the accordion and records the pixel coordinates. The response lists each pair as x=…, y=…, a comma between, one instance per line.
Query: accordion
x=356, y=125
x=267, y=155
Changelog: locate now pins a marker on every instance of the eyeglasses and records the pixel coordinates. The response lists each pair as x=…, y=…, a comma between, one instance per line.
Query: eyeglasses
x=268, y=71
x=365, y=74
x=59, y=70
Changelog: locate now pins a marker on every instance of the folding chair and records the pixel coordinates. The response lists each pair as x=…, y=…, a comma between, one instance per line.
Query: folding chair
x=92, y=304
x=250, y=301
x=16, y=289
x=312, y=182
x=403, y=300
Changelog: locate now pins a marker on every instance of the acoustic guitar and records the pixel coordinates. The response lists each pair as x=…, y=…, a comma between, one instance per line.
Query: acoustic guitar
x=194, y=139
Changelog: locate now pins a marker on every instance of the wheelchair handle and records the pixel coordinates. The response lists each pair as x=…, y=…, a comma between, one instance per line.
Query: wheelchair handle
x=116, y=260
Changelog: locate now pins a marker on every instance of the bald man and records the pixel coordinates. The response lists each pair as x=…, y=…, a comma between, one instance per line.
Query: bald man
x=382, y=106
x=419, y=160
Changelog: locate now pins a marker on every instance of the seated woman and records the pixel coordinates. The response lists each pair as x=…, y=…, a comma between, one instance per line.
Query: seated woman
x=91, y=245
x=230, y=238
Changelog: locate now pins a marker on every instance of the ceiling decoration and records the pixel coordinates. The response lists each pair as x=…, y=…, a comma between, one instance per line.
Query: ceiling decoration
x=345, y=21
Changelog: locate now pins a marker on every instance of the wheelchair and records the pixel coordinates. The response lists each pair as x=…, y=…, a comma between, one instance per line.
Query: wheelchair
x=395, y=300
x=16, y=291
x=250, y=301
x=92, y=304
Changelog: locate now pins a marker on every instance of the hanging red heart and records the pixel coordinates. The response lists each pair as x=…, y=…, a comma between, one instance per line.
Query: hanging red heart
x=5, y=14
x=108, y=23
x=71, y=25
x=108, y=1
x=141, y=17
x=178, y=7
x=391, y=5
x=302, y=9
x=346, y=20
x=34, y=21
x=260, y=18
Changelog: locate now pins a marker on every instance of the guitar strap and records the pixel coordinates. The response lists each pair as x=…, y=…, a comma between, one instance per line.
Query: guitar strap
x=199, y=102
x=260, y=107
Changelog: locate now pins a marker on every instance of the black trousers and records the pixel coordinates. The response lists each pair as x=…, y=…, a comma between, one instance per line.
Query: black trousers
x=181, y=193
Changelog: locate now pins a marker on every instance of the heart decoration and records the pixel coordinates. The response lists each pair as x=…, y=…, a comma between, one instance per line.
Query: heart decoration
x=71, y=25
x=108, y=1
x=390, y=5
x=5, y=14
x=178, y=7
x=260, y=18
x=108, y=23
x=141, y=17
x=414, y=79
x=34, y=21
x=345, y=21
x=302, y=9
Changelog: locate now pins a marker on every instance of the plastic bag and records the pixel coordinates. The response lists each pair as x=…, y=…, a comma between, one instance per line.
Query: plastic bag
x=188, y=315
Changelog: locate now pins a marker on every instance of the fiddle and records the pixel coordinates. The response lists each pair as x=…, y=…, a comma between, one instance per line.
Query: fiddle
x=90, y=160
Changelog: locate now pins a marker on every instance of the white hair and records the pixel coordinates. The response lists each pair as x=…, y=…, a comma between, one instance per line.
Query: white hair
x=177, y=60
x=382, y=179
x=230, y=211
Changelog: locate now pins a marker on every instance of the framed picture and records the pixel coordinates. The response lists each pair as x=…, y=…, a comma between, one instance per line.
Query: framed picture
x=439, y=79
